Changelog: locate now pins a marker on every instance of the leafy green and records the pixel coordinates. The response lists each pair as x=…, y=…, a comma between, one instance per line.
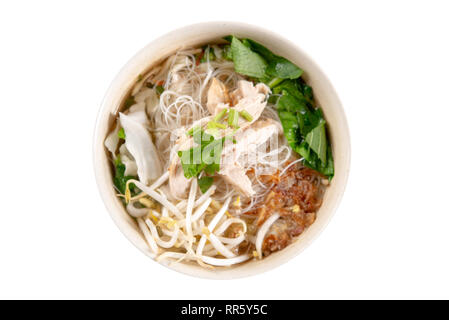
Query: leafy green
x=246, y=61
x=159, y=89
x=284, y=69
x=204, y=183
x=303, y=123
x=312, y=161
x=227, y=53
x=274, y=82
x=307, y=119
x=205, y=156
x=121, y=134
x=120, y=179
x=304, y=126
x=129, y=102
x=316, y=139
x=278, y=67
x=292, y=87
x=291, y=128
x=208, y=52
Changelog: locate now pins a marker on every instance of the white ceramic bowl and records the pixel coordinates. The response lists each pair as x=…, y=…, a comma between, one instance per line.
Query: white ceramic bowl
x=199, y=34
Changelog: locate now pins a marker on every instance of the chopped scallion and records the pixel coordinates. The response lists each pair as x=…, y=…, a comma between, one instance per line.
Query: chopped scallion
x=220, y=115
x=214, y=125
x=233, y=118
x=246, y=115
x=193, y=130
x=121, y=134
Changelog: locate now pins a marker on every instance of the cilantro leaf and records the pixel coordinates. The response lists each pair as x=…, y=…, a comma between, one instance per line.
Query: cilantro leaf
x=120, y=179
x=203, y=157
x=204, y=183
x=121, y=134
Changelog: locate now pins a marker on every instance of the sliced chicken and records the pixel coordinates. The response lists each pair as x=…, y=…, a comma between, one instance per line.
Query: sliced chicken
x=252, y=99
x=236, y=175
x=178, y=183
x=250, y=135
x=248, y=140
x=217, y=95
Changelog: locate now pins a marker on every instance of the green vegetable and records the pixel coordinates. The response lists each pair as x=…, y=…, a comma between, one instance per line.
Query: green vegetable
x=220, y=115
x=120, y=179
x=291, y=128
x=274, y=82
x=204, y=157
x=159, y=89
x=246, y=115
x=304, y=129
x=208, y=52
x=316, y=139
x=306, y=118
x=204, y=183
x=193, y=130
x=284, y=69
x=255, y=60
x=312, y=161
x=215, y=125
x=277, y=66
x=121, y=134
x=303, y=123
x=233, y=118
x=246, y=61
x=129, y=102
x=227, y=53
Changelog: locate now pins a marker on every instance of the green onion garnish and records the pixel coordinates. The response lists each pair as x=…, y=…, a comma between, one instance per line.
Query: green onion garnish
x=121, y=134
x=274, y=82
x=214, y=125
x=220, y=115
x=246, y=115
x=193, y=130
x=233, y=118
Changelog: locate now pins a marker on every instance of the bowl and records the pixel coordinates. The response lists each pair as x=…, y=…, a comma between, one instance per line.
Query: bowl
x=198, y=34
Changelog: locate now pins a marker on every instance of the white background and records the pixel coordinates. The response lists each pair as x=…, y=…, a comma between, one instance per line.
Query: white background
x=389, y=62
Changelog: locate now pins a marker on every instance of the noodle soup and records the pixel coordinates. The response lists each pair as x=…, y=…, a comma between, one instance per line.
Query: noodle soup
x=221, y=154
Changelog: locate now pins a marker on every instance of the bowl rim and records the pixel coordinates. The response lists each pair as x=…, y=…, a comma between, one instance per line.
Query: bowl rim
x=98, y=140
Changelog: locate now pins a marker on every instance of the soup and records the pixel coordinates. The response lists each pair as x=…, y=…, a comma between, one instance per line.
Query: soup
x=221, y=155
